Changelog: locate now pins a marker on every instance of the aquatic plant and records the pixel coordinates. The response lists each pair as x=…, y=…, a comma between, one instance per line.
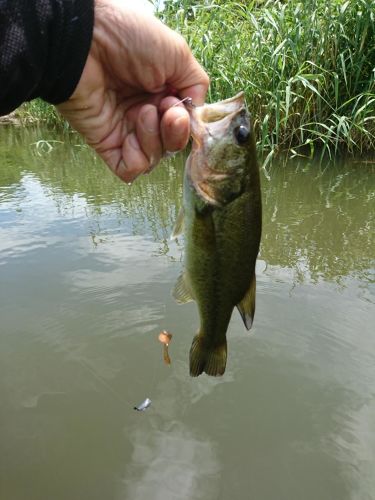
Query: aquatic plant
x=39, y=111
x=307, y=67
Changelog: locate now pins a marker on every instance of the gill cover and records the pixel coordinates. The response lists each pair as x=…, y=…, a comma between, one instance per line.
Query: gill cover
x=220, y=133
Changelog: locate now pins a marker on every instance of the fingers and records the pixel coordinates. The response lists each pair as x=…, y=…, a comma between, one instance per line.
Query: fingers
x=145, y=137
x=175, y=128
x=148, y=133
x=127, y=161
x=134, y=161
x=143, y=148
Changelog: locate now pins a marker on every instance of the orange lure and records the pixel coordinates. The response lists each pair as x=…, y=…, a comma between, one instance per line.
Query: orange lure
x=165, y=338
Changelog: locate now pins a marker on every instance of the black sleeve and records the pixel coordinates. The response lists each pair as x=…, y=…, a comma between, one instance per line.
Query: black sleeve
x=43, y=48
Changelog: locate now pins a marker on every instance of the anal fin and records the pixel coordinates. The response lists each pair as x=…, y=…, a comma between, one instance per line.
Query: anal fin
x=247, y=305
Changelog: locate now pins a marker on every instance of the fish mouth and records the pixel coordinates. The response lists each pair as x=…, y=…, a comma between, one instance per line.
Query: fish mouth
x=209, y=113
x=209, y=118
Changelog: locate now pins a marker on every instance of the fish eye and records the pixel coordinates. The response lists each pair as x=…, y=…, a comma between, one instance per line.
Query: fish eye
x=242, y=134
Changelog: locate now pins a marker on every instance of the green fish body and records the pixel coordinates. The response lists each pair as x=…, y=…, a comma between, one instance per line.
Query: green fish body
x=221, y=219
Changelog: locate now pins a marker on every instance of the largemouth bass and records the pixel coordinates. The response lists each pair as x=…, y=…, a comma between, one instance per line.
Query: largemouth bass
x=221, y=219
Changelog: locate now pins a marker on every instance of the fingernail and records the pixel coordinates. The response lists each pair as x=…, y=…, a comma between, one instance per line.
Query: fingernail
x=133, y=141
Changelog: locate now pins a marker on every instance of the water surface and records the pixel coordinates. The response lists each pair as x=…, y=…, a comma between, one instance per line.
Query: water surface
x=86, y=269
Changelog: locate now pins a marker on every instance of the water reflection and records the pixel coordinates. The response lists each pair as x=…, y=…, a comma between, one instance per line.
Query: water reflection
x=358, y=438
x=320, y=223
x=71, y=171
x=173, y=463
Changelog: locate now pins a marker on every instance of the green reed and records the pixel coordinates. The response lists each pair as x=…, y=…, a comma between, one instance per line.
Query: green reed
x=307, y=67
x=39, y=111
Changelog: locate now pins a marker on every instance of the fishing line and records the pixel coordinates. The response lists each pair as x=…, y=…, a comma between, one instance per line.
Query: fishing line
x=188, y=100
x=124, y=401
x=104, y=383
x=117, y=396
x=154, y=378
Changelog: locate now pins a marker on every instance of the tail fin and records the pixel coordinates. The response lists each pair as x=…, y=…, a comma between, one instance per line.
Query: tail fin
x=206, y=358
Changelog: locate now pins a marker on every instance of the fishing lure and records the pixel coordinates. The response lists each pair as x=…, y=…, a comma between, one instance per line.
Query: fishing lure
x=144, y=405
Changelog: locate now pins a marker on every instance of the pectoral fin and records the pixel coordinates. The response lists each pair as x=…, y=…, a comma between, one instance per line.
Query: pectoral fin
x=247, y=305
x=182, y=291
x=179, y=226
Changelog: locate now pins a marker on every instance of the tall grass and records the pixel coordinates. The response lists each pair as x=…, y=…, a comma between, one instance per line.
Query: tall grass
x=306, y=66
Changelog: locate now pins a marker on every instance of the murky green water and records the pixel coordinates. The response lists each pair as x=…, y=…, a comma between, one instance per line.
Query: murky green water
x=86, y=269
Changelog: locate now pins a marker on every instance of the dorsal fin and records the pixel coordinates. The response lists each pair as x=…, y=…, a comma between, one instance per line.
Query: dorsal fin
x=247, y=305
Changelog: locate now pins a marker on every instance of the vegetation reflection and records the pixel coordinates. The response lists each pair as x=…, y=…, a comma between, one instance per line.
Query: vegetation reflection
x=319, y=222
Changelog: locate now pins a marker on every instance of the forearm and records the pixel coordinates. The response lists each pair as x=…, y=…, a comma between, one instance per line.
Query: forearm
x=43, y=48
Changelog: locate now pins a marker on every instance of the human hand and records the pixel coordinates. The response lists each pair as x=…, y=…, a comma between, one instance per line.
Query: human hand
x=126, y=102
